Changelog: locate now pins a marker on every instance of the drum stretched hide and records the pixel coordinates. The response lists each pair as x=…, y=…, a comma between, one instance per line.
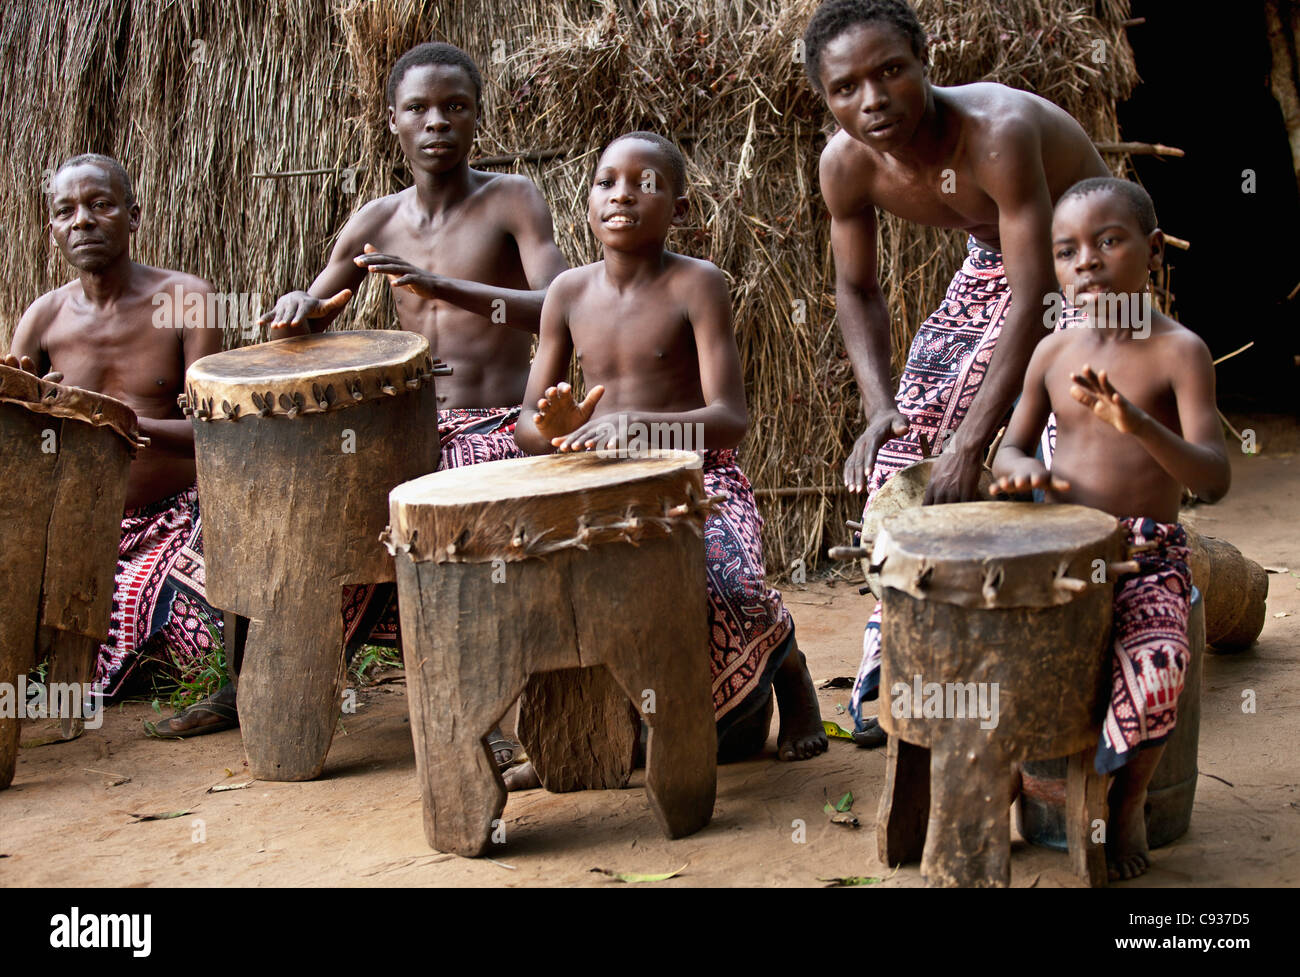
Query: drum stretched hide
x=65, y=454
x=578, y=581
x=1001, y=609
x=298, y=443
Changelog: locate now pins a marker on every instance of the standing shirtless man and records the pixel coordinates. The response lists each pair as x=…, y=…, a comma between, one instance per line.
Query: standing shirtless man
x=469, y=256
x=985, y=158
x=114, y=329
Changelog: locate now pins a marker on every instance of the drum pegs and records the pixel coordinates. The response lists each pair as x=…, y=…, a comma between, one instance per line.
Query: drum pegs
x=1119, y=569
x=265, y=404
x=855, y=526
x=324, y=397
x=441, y=369
x=994, y=575
x=292, y=405
x=923, y=575
x=413, y=383
x=354, y=388
x=204, y=411
x=183, y=402
x=385, y=538
x=862, y=552
x=232, y=413
x=387, y=387
x=518, y=540
x=1072, y=585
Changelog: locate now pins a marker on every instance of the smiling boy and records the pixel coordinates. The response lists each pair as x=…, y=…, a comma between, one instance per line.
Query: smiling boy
x=1133, y=397
x=652, y=332
x=984, y=158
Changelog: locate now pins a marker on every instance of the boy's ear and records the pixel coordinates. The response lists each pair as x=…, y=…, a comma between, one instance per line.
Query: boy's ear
x=1156, y=255
x=681, y=207
x=392, y=120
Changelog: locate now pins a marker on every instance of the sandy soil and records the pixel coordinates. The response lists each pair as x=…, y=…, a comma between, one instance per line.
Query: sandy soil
x=64, y=823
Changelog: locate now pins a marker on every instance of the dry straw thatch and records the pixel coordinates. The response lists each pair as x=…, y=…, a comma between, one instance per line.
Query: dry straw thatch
x=202, y=101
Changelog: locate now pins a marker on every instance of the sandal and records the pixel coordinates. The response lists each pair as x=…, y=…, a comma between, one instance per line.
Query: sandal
x=220, y=705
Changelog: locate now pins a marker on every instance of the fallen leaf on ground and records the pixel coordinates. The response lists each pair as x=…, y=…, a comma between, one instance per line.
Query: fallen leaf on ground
x=847, y=880
x=845, y=803
x=634, y=877
x=836, y=730
x=159, y=817
x=839, y=682
x=848, y=819
x=1281, y=614
x=1277, y=569
x=220, y=787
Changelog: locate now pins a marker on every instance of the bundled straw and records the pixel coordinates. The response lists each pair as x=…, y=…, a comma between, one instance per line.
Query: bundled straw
x=299, y=85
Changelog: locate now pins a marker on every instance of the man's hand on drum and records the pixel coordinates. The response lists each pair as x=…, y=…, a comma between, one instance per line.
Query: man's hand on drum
x=561, y=419
x=28, y=365
x=1028, y=474
x=293, y=309
x=881, y=428
x=400, y=272
x=1095, y=392
x=956, y=474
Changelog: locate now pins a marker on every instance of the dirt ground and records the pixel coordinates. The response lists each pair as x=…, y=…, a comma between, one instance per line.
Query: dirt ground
x=66, y=821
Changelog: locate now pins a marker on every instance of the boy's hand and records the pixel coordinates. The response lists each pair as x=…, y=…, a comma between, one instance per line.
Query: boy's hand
x=295, y=308
x=1094, y=391
x=558, y=414
x=28, y=365
x=1029, y=474
x=400, y=272
x=601, y=435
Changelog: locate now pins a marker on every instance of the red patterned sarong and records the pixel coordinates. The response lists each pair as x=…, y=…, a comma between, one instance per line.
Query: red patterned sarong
x=1151, y=654
x=160, y=608
x=750, y=630
x=469, y=436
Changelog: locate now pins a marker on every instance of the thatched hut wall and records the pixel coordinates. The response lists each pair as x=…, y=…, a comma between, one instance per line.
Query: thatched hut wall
x=206, y=104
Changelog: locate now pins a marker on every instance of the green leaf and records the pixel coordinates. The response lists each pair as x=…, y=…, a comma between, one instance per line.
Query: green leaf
x=159, y=817
x=848, y=880
x=835, y=730
x=634, y=877
x=845, y=803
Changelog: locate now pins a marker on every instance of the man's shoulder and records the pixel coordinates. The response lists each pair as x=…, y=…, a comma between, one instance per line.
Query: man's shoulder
x=845, y=168
x=511, y=195
x=155, y=280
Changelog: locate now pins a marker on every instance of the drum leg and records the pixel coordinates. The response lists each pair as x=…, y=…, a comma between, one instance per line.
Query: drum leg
x=904, y=803
x=968, y=839
x=1085, y=809
x=290, y=688
x=72, y=661
x=579, y=729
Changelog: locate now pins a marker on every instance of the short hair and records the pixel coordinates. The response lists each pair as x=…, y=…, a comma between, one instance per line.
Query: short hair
x=1132, y=195
x=834, y=17
x=434, y=53
x=115, y=169
x=672, y=155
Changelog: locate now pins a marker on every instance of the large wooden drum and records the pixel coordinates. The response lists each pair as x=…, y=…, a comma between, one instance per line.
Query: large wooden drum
x=64, y=458
x=298, y=443
x=995, y=644
x=585, y=573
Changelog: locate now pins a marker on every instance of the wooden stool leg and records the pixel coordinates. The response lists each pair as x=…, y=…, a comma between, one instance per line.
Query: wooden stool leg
x=968, y=841
x=290, y=688
x=579, y=729
x=904, y=803
x=681, y=769
x=73, y=659
x=1085, y=807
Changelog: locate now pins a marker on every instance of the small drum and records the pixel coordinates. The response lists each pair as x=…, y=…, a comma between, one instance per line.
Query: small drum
x=585, y=573
x=297, y=444
x=995, y=639
x=64, y=458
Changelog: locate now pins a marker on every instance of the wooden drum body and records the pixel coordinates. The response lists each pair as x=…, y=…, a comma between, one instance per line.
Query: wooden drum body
x=1003, y=611
x=564, y=578
x=298, y=443
x=65, y=454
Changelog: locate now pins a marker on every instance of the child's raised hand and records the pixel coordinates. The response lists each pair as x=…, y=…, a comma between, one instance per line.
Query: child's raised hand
x=1033, y=475
x=1095, y=392
x=559, y=414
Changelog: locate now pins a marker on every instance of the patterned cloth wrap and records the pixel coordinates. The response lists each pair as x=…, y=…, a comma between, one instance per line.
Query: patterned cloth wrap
x=160, y=608
x=1149, y=639
x=468, y=436
x=750, y=630
x=945, y=367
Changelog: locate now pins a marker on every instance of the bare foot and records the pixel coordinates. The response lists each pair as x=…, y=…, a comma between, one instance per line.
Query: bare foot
x=1127, y=855
x=802, y=735
x=522, y=777
x=746, y=735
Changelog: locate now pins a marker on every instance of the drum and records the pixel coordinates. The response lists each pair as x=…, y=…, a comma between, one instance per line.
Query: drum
x=995, y=644
x=1173, y=785
x=297, y=444
x=585, y=573
x=65, y=454
x=905, y=490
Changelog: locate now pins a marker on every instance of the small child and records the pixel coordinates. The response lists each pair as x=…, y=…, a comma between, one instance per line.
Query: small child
x=1133, y=395
x=652, y=331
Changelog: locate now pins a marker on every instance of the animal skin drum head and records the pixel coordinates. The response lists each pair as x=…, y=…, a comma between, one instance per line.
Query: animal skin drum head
x=74, y=403
x=307, y=374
